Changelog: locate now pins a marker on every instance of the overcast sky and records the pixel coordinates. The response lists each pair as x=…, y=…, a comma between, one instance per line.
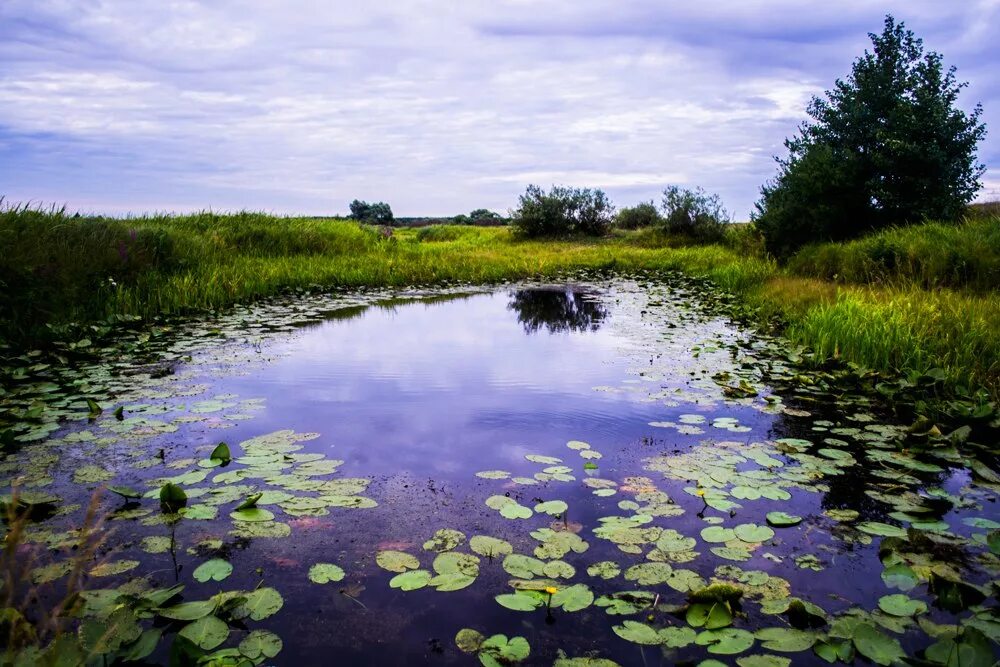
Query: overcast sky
x=435, y=107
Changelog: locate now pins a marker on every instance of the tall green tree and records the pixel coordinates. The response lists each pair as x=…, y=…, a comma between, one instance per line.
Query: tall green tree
x=886, y=146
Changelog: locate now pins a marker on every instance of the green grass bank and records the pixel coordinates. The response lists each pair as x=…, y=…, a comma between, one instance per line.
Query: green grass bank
x=907, y=300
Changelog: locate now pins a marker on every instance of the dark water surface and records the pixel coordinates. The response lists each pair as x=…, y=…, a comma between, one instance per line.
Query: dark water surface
x=413, y=397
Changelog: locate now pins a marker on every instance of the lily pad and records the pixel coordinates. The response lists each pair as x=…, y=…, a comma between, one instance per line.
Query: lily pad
x=901, y=605
x=207, y=632
x=411, y=580
x=324, y=573
x=444, y=539
x=396, y=561
x=782, y=519
x=216, y=569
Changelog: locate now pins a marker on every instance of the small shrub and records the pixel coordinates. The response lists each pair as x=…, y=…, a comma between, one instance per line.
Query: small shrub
x=638, y=216
x=377, y=213
x=695, y=214
x=481, y=215
x=561, y=212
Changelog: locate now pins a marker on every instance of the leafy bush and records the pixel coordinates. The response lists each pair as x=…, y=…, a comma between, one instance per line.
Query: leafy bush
x=638, y=216
x=562, y=211
x=886, y=147
x=377, y=213
x=480, y=216
x=694, y=213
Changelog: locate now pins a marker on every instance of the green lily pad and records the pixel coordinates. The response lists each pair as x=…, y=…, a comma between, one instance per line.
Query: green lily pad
x=259, y=604
x=260, y=644
x=717, y=534
x=324, y=573
x=875, y=646
x=469, y=640
x=786, y=640
x=114, y=567
x=573, y=598
x=638, y=633
x=523, y=567
x=213, y=570
x=553, y=507
x=252, y=515
x=901, y=605
x=490, y=547
x=444, y=539
x=727, y=641
x=411, y=580
x=751, y=532
x=396, y=561
x=649, y=574
x=782, y=519
x=499, y=650
x=521, y=601
x=207, y=632
x=881, y=529
x=605, y=569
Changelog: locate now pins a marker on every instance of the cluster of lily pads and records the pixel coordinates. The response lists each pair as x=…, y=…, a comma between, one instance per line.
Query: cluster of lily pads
x=712, y=593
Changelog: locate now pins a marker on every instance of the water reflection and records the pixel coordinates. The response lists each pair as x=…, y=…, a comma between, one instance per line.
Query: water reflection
x=557, y=310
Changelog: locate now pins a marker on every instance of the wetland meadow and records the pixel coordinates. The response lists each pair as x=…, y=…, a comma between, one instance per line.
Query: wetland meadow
x=601, y=467
x=568, y=434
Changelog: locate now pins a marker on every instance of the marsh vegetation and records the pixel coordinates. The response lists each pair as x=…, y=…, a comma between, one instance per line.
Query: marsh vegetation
x=645, y=436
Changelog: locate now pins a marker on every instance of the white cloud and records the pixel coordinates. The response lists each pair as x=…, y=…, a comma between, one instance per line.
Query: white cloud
x=302, y=106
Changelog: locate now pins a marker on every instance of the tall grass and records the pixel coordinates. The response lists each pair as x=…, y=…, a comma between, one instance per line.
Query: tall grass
x=56, y=269
x=910, y=331
x=964, y=255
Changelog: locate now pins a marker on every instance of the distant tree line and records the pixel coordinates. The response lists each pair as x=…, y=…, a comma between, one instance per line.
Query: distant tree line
x=887, y=146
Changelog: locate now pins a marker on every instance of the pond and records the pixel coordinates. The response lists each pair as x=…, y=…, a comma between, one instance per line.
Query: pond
x=595, y=473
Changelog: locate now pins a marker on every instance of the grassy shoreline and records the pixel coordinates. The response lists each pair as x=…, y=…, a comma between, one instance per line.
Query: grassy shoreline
x=899, y=302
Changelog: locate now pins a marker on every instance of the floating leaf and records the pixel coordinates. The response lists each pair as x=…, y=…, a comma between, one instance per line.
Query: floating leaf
x=396, y=561
x=213, y=570
x=490, y=547
x=206, y=633
x=901, y=605
x=498, y=650
x=605, y=569
x=259, y=604
x=188, y=611
x=553, y=507
x=649, y=574
x=875, y=646
x=252, y=515
x=444, y=539
x=521, y=601
x=881, y=529
x=751, y=532
x=125, y=492
x=112, y=568
x=523, y=567
x=324, y=573
x=727, y=641
x=786, y=640
x=469, y=640
x=782, y=520
x=260, y=644
x=411, y=581
x=717, y=534
x=573, y=598
x=638, y=633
